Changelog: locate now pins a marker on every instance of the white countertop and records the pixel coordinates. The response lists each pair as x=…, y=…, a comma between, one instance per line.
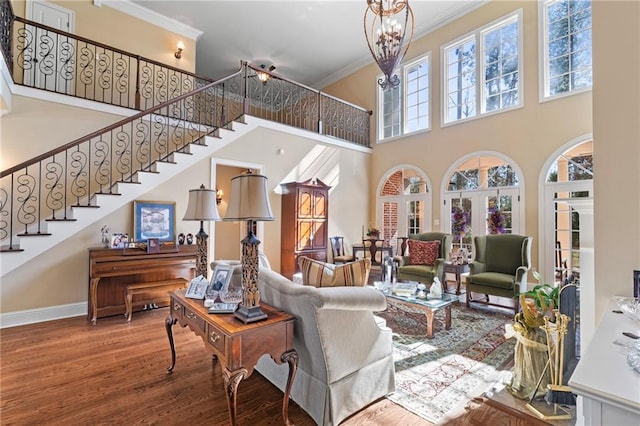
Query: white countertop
x=602, y=372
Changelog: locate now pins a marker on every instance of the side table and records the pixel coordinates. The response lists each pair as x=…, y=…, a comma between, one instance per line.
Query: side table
x=457, y=270
x=236, y=345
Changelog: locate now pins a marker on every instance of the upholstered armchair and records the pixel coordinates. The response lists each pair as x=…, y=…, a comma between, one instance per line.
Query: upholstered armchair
x=415, y=267
x=500, y=267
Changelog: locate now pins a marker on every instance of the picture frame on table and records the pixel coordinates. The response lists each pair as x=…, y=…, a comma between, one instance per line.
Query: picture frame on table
x=221, y=277
x=119, y=240
x=154, y=219
x=197, y=288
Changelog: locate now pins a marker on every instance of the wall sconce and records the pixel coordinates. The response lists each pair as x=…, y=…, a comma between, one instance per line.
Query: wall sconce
x=263, y=76
x=178, y=53
x=219, y=195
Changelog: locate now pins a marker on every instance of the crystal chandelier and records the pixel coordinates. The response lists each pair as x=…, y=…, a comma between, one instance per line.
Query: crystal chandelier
x=387, y=37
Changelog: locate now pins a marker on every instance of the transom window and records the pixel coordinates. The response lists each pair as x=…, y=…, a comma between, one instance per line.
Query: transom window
x=567, y=46
x=496, y=80
x=405, y=108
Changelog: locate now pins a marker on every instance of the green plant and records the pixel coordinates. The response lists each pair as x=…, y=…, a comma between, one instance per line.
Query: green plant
x=546, y=296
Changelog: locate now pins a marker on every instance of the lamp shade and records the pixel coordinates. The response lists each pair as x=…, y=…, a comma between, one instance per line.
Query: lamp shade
x=202, y=205
x=249, y=199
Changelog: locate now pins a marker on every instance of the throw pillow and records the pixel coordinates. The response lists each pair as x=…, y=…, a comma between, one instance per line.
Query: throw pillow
x=321, y=274
x=423, y=252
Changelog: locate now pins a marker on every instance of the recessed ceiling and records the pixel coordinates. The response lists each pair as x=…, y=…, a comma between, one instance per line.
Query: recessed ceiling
x=310, y=42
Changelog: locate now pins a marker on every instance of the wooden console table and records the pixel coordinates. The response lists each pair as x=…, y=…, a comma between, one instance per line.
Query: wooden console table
x=237, y=345
x=114, y=269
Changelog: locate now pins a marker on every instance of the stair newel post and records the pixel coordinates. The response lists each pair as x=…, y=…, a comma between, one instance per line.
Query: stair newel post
x=137, y=95
x=319, y=118
x=245, y=100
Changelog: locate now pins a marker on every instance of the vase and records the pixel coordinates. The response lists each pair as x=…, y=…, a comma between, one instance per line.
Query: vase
x=105, y=241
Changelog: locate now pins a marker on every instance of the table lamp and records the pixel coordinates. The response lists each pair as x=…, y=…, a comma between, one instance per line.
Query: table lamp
x=202, y=206
x=249, y=200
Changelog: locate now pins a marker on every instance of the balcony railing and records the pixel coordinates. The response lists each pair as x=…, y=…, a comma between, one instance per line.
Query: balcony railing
x=179, y=109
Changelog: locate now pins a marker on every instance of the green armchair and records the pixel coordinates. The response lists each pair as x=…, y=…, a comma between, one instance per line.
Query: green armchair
x=425, y=273
x=500, y=267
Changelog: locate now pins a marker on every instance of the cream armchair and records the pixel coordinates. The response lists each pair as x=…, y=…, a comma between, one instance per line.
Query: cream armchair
x=341, y=369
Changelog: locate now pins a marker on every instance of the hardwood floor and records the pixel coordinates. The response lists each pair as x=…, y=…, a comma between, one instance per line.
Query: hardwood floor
x=73, y=373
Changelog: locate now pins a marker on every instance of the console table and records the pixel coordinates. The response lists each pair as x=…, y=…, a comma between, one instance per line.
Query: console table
x=236, y=345
x=111, y=270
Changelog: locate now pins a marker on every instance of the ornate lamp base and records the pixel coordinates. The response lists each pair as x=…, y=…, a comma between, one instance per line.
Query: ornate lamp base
x=248, y=314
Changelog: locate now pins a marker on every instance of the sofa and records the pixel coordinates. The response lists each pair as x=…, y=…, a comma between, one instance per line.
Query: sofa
x=341, y=369
x=422, y=271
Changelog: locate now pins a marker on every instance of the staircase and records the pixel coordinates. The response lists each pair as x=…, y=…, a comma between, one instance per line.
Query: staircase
x=50, y=198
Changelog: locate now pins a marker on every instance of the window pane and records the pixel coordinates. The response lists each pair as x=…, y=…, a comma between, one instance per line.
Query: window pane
x=568, y=45
x=501, y=75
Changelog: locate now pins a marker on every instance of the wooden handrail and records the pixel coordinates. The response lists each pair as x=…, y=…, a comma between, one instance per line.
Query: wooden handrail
x=110, y=48
x=106, y=129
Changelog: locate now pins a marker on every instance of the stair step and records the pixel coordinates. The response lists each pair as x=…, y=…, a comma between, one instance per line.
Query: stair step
x=7, y=249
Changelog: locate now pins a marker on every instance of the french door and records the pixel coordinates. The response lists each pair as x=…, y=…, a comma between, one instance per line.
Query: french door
x=475, y=206
x=403, y=216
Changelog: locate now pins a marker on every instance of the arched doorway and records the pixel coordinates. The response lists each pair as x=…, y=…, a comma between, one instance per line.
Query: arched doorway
x=477, y=186
x=567, y=175
x=404, y=203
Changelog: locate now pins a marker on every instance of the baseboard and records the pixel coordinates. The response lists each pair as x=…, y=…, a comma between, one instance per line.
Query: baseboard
x=31, y=316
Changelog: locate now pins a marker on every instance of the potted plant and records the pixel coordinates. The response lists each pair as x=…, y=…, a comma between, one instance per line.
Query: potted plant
x=530, y=353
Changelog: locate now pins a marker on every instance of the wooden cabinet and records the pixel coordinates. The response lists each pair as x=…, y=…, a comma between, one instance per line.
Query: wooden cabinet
x=305, y=216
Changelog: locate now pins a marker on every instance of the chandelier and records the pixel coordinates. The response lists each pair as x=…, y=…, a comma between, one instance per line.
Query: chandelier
x=387, y=37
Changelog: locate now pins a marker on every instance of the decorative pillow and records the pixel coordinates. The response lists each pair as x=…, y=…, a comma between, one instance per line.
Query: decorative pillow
x=321, y=274
x=423, y=252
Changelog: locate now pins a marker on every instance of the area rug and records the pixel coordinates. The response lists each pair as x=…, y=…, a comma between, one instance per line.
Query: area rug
x=436, y=378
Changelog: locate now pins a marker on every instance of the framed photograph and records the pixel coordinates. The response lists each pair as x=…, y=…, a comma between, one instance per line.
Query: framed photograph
x=119, y=240
x=153, y=245
x=197, y=288
x=154, y=219
x=221, y=277
x=636, y=283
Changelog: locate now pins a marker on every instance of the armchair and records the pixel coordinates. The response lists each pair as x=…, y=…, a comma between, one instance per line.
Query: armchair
x=500, y=267
x=421, y=272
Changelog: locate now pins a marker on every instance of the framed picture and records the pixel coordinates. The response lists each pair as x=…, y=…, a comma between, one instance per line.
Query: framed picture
x=197, y=288
x=153, y=245
x=221, y=277
x=154, y=219
x=636, y=283
x=119, y=240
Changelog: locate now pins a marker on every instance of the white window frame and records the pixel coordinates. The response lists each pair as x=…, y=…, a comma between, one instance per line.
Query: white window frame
x=543, y=58
x=403, y=101
x=477, y=37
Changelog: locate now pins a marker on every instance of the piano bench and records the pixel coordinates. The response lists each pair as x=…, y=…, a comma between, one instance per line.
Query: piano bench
x=150, y=290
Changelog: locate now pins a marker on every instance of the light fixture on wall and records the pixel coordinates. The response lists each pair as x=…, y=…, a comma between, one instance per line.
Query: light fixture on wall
x=180, y=47
x=249, y=201
x=202, y=206
x=264, y=77
x=387, y=37
x=219, y=195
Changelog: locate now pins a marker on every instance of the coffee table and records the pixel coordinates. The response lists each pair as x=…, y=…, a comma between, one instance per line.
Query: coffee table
x=430, y=307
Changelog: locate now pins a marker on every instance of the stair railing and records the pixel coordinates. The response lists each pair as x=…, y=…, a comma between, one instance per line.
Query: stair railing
x=45, y=187
x=49, y=59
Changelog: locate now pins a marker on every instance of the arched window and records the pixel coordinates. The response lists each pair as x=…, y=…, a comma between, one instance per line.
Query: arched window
x=404, y=203
x=568, y=176
x=481, y=196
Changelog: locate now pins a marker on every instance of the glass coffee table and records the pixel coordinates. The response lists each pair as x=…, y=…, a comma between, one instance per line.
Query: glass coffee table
x=430, y=306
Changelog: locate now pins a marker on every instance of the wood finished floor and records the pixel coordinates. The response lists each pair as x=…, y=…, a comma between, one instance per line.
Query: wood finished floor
x=73, y=373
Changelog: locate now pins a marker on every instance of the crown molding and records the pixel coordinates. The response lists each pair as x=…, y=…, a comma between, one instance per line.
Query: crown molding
x=154, y=18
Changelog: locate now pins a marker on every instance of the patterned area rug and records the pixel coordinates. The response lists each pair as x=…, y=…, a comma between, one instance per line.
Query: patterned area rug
x=436, y=378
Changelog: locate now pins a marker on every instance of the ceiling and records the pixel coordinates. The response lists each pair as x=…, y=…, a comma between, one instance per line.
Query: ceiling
x=310, y=42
